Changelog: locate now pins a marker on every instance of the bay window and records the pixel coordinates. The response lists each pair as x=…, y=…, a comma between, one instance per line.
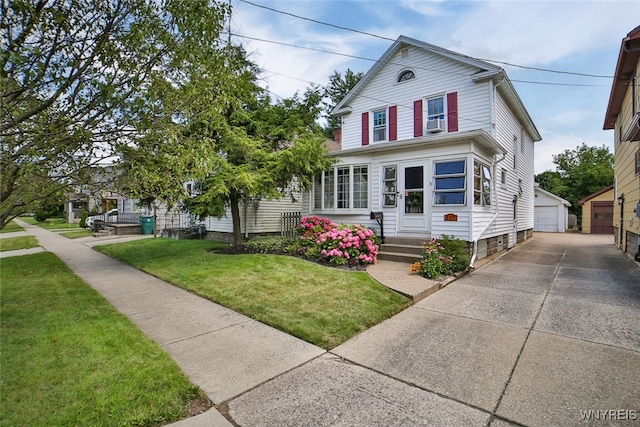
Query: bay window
x=449, y=183
x=342, y=188
x=481, y=184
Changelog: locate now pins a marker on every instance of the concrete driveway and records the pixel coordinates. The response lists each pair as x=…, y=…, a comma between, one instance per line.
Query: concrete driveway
x=546, y=335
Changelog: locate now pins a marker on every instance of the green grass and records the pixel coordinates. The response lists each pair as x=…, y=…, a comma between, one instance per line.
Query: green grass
x=77, y=233
x=14, y=243
x=51, y=223
x=11, y=228
x=69, y=358
x=321, y=305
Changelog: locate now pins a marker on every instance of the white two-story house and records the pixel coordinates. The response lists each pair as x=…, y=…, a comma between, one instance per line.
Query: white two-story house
x=439, y=143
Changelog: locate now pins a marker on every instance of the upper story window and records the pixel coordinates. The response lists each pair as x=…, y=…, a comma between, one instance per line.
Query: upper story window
x=435, y=108
x=450, y=182
x=406, y=75
x=380, y=125
x=435, y=115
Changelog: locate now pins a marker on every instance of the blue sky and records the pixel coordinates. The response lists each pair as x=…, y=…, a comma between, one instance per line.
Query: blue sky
x=573, y=36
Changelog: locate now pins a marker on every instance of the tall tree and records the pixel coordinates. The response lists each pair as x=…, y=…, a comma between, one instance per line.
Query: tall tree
x=579, y=172
x=72, y=76
x=264, y=149
x=222, y=130
x=334, y=92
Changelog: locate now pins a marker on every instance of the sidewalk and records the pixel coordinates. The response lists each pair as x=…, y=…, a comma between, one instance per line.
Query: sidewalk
x=221, y=351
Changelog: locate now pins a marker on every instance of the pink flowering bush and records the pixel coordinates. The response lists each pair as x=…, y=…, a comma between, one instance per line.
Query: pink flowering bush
x=338, y=244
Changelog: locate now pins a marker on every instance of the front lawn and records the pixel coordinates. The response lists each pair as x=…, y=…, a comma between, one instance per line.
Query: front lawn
x=51, y=223
x=14, y=243
x=69, y=358
x=75, y=234
x=11, y=227
x=321, y=305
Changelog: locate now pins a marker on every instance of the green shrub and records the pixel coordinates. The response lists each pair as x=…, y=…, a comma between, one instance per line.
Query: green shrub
x=83, y=219
x=267, y=244
x=446, y=255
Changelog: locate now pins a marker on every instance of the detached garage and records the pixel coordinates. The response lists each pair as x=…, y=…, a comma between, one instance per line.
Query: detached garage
x=597, y=212
x=551, y=213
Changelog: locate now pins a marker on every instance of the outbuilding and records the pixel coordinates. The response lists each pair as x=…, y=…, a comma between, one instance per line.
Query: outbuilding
x=597, y=212
x=551, y=212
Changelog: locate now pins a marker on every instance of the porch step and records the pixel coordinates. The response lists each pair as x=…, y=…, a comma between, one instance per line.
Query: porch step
x=401, y=249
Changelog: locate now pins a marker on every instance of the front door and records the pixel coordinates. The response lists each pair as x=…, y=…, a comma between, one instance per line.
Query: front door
x=413, y=200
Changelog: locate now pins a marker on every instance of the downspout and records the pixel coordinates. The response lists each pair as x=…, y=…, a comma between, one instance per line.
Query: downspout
x=493, y=217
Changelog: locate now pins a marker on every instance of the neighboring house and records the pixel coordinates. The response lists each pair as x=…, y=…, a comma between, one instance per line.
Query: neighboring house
x=623, y=115
x=98, y=194
x=597, y=212
x=439, y=143
x=257, y=217
x=551, y=212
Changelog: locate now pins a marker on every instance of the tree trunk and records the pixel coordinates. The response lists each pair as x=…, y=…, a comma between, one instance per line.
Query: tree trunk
x=235, y=216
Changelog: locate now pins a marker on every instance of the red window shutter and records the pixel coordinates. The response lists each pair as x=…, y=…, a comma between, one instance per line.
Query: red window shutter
x=452, y=111
x=393, y=123
x=365, y=128
x=417, y=118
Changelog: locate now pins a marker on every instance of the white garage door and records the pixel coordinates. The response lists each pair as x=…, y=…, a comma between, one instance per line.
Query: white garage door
x=546, y=219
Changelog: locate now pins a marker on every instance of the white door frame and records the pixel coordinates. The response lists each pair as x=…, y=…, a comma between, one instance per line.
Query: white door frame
x=412, y=222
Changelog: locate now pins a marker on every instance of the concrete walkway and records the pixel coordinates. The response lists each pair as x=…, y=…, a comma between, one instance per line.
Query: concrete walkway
x=538, y=337
x=546, y=335
x=221, y=351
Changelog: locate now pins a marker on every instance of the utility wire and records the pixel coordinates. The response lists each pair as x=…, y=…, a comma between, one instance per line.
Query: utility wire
x=392, y=63
x=393, y=40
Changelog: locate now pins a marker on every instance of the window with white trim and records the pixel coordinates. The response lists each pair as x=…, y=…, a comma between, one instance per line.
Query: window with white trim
x=389, y=186
x=360, y=187
x=450, y=183
x=406, y=75
x=328, y=190
x=435, y=108
x=342, y=188
x=481, y=184
x=343, y=178
x=380, y=125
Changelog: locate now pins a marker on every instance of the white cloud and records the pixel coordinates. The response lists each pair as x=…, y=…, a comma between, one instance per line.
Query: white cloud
x=279, y=61
x=539, y=32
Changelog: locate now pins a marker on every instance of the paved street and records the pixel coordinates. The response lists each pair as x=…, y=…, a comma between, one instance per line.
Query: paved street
x=547, y=335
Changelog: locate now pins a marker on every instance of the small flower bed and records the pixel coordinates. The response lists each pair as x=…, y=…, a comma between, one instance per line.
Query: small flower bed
x=444, y=256
x=337, y=244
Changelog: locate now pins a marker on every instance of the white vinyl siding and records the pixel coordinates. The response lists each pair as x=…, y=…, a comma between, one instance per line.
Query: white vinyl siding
x=474, y=101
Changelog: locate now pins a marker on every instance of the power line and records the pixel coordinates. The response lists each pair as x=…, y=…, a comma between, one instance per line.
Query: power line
x=316, y=21
x=382, y=101
x=392, y=63
x=546, y=70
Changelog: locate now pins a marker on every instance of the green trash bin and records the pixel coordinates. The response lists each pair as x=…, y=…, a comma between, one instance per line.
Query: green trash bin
x=148, y=224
